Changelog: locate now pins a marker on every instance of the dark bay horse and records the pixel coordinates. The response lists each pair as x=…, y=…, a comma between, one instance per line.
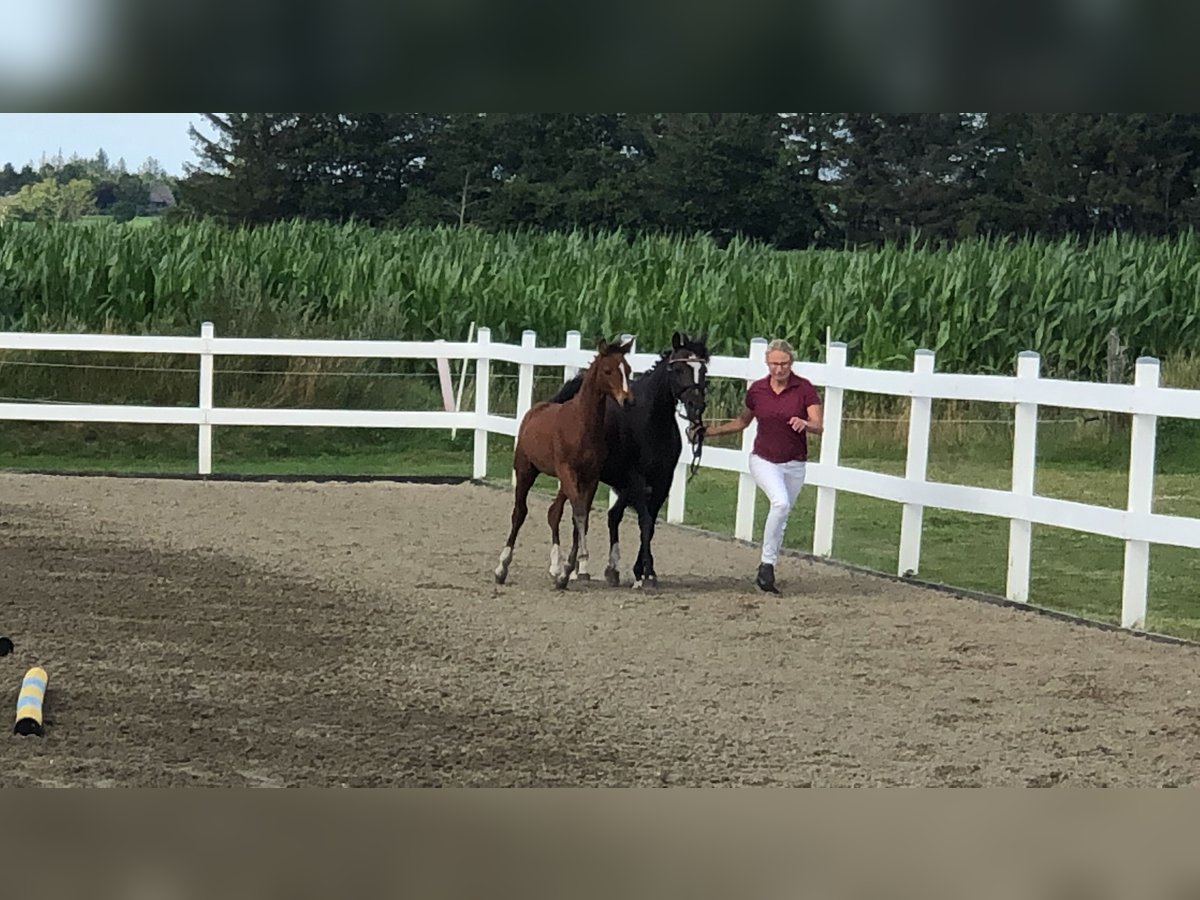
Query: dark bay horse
x=643, y=449
x=566, y=440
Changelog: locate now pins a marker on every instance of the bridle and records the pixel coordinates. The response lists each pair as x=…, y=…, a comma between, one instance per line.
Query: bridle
x=695, y=390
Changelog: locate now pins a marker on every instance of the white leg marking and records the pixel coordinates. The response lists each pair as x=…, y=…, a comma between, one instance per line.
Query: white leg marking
x=582, y=560
x=506, y=556
x=555, y=561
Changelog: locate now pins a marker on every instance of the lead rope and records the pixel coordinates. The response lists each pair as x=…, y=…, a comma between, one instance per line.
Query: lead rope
x=696, y=440
x=697, y=446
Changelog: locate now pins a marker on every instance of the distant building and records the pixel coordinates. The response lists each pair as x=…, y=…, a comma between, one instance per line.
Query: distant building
x=161, y=197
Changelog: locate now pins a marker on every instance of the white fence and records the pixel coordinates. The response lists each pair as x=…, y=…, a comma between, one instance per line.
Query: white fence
x=1136, y=525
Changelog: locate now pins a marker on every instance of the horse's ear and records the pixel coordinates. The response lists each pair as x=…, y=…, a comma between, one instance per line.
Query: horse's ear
x=602, y=345
x=677, y=341
x=628, y=345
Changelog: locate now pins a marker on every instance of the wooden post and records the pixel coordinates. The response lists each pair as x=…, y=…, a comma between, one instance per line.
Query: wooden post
x=1115, y=359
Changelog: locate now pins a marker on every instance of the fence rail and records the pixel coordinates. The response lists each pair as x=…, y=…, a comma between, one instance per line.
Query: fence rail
x=1145, y=401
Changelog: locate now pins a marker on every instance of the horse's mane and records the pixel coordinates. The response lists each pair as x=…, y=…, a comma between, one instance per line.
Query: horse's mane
x=568, y=390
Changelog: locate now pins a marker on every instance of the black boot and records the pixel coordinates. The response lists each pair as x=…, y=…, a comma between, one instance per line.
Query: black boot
x=766, y=578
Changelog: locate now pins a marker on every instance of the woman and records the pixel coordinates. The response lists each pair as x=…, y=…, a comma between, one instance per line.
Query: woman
x=788, y=409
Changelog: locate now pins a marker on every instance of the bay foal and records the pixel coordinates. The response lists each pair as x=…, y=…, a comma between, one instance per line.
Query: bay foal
x=567, y=440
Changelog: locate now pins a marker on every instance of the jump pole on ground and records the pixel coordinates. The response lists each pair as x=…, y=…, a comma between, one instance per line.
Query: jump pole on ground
x=29, y=702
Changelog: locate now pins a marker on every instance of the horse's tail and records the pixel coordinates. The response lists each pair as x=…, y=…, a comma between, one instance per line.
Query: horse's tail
x=568, y=390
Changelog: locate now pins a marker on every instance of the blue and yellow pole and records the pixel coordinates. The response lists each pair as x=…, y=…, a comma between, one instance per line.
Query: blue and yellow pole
x=29, y=702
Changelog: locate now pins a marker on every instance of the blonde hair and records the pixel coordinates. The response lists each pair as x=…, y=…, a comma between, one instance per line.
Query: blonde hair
x=781, y=344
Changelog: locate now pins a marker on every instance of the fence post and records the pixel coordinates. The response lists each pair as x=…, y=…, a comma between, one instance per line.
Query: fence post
x=462, y=379
x=831, y=448
x=915, y=468
x=678, y=493
x=1141, y=499
x=525, y=376
x=524, y=386
x=204, y=463
x=1024, y=466
x=573, y=343
x=445, y=383
x=743, y=528
x=483, y=375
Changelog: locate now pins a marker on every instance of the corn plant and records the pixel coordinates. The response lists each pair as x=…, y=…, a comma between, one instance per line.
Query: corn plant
x=977, y=305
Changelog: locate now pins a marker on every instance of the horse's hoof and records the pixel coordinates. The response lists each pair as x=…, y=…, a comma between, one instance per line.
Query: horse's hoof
x=501, y=577
x=583, y=576
x=612, y=576
x=560, y=583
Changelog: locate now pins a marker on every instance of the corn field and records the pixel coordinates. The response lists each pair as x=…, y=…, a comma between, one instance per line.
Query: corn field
x=977, y=305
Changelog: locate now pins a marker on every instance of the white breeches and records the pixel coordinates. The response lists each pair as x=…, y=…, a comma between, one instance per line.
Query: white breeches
x=781, y=482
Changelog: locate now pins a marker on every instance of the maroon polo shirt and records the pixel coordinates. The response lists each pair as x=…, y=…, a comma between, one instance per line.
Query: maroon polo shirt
x=776, y=441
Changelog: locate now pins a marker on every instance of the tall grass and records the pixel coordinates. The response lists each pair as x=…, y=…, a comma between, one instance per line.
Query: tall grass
x=977, y=305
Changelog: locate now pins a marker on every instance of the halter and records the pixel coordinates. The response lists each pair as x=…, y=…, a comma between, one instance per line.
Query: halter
x=698, y=386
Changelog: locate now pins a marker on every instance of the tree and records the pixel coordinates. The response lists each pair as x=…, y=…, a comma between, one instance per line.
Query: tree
x=239, y=179
x=122, y=197
x=556, y=170
x=724, y=174
x=49, y=201
x=810, y=159
x=261, y=167
x=1140, y=170
x=12, y=181
x=357, y=166
x=1056, y=174
x=793, y=180
x=123, y=211
x=453, y=181
x=152, y=170
x=903, y=175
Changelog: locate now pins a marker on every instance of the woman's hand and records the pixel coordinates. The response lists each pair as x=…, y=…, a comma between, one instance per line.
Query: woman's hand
x=696, y=431
x=798, y=424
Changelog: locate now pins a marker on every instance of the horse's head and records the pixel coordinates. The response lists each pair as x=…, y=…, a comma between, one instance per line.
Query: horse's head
x=612, y=370
x=688, y=362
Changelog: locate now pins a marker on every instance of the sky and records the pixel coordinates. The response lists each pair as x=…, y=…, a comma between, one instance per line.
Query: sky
x=27, y=137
